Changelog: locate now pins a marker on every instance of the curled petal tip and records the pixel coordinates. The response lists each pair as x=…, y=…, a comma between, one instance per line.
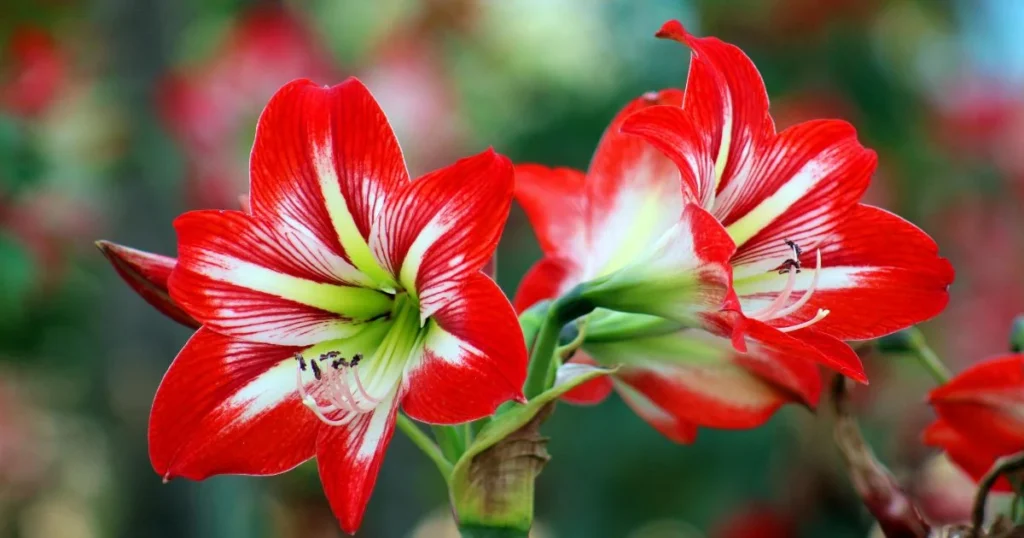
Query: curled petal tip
x=674, y=30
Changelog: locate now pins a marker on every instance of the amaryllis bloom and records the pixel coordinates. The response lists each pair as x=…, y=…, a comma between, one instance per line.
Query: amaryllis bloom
x=762, y=231
x=348, y=290
x=981, y=415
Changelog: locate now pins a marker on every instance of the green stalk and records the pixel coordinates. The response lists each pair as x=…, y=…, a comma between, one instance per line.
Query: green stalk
x=423, y=442
x=474, y=531
x=449, y=439
x=562, y=311
x=927, y=357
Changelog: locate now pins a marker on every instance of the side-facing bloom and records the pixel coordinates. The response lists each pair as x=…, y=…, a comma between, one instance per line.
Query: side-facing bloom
x=981, y=415
x=347, y=291
x=772, y=218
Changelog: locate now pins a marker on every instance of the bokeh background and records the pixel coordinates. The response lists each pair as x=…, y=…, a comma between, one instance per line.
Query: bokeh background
x=117, y=115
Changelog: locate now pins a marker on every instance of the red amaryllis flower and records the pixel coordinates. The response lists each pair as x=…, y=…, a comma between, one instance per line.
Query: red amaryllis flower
x=347, y=291
x=981, y=415
x=809, y=264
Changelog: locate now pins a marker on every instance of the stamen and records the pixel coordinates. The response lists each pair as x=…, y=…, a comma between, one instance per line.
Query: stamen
x=780, y=300
x=822, y=313
x=313, y=406
x=807, y=294
x=362, y=389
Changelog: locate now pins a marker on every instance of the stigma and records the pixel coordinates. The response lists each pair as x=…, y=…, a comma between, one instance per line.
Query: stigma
x=779, y=308
x=338, y=385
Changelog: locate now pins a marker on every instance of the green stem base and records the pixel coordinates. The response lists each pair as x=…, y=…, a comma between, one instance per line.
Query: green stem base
x=474, y=531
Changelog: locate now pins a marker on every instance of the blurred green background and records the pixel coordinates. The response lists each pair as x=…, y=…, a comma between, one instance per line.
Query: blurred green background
x=117, y=115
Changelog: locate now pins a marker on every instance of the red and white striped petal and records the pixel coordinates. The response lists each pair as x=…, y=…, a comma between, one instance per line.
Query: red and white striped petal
x=439, y=230
x=324, y=161
x=686, y=272
x=555, y=202
x=634, y=193
x=671, y=130
x=726, y=97
x=243, y=278
x=473, y=358
x=879, y=274
x=349, y=459
x=804, y=178
x=547, y=279
x=671, y=426
x=227, y=406
x=147, y=274
x=698, y=375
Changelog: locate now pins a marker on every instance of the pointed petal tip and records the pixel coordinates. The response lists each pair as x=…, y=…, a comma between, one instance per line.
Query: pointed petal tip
x=674, y=30
x=520, y=398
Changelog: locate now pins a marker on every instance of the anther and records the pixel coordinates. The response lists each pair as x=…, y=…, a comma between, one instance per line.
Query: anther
x=302, y=361
x=356, y=358
x=796, y=248
x=316, y=369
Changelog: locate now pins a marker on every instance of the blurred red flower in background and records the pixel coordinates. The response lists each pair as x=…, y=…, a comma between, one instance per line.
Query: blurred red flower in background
x=212, y=107
x=986, y=240
x=36, y=72
x=981, y=415
x=756, y=522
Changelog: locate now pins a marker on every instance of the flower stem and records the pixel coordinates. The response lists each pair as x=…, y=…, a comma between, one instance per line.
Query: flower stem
x=422, y=440
x=562, y=311
x=927, y=357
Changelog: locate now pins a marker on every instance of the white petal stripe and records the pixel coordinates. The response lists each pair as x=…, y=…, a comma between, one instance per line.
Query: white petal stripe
x=348, y=301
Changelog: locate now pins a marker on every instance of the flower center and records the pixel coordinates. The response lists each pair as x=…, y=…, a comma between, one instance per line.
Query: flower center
x=344, y=383
x=778, y=308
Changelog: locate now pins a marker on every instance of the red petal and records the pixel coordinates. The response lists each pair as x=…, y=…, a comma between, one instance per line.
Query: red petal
x=879, y=274
x=242, y=278
x=349, y=459
x=324, y=161
x=984, y=403
x=474, y=358
x=671, y=130
x=442, y=228
x=590, y=392
x=667, y=424
x=547, y=279
x=554, y=200
x=726, y=97
x=227, y=406
x=803, y=179
x=973, y=457
x=147, y=274
x=994, y=380
x=705, y=381
x=623, y=162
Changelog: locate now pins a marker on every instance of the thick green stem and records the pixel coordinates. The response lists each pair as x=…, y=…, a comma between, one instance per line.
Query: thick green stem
x=422, y=440
x=927, y=357
x=474, y=531
x=562, y=311
x=450, y=441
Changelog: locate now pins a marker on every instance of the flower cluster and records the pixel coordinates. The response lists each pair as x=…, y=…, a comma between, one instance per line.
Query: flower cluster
x=708, y=263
